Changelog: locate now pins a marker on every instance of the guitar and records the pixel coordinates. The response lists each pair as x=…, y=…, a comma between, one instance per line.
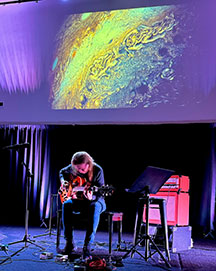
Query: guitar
x=76, y=188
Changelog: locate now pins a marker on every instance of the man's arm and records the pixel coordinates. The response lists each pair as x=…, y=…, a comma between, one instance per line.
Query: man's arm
x=61, y=177
x=99, y=178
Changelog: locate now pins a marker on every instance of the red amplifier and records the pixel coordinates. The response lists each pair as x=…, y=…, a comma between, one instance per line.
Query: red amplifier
x=176, y=183
x=177, y=207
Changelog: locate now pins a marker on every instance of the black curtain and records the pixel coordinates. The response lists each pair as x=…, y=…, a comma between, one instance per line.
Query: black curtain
x=122, y=150
x=15, y=163
x=207, y=208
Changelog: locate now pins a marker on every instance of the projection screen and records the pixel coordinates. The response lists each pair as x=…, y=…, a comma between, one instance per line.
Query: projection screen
x=67, y=62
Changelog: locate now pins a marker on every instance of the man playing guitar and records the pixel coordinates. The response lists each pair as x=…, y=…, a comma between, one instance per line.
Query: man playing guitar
x=76, y=195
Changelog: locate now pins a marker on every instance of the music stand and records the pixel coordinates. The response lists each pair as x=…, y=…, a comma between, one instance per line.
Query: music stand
x=149, y=182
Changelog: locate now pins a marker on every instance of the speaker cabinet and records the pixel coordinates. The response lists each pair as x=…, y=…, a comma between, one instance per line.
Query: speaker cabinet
x=177, y=208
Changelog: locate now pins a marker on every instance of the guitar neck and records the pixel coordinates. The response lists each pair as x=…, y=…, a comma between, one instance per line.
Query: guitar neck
x=78, y=189
x=81, y=188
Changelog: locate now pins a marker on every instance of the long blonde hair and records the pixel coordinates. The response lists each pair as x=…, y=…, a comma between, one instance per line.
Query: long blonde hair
x=83, y=157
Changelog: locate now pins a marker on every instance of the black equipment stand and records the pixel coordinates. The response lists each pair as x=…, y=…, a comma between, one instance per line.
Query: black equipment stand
x=149, y=182
x=29, y=175
x=5, y=249
x=49, y=230
x=26, y=236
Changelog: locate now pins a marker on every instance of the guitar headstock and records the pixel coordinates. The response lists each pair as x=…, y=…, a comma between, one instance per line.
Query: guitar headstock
x=106, y=190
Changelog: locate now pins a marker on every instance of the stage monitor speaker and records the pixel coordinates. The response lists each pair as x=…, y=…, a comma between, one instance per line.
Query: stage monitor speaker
x=177, y=209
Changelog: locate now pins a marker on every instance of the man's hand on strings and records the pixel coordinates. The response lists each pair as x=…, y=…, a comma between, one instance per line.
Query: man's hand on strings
x=88, y=193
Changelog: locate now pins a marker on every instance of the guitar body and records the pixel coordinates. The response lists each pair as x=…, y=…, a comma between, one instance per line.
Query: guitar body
x=74, y=190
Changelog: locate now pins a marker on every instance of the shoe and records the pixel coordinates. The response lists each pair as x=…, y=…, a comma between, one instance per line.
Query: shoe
x=69, y=248
x=86, y=251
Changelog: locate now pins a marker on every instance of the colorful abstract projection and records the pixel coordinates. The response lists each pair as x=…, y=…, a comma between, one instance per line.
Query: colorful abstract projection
x=119, y=59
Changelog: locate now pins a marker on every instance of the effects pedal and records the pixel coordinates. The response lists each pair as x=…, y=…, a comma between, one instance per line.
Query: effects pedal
x=46, y=255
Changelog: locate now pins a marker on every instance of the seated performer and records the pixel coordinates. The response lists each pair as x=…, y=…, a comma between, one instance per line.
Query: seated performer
x=84, y=173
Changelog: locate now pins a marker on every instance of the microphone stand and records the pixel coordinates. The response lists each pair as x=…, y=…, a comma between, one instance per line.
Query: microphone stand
x=26, y=238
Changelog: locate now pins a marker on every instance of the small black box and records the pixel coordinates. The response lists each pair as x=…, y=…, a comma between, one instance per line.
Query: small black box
x=180, y=238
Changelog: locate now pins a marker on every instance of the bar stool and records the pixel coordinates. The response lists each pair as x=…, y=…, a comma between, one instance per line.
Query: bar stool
x=59, y=225
x=139, y=238
x=114, y=217
x=162, y=207
x=49, y=231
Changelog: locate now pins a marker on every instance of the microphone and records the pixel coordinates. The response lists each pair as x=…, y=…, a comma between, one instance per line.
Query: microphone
x=17, y=146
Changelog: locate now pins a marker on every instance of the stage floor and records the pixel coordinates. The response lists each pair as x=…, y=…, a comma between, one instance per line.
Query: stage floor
x=202, y=256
